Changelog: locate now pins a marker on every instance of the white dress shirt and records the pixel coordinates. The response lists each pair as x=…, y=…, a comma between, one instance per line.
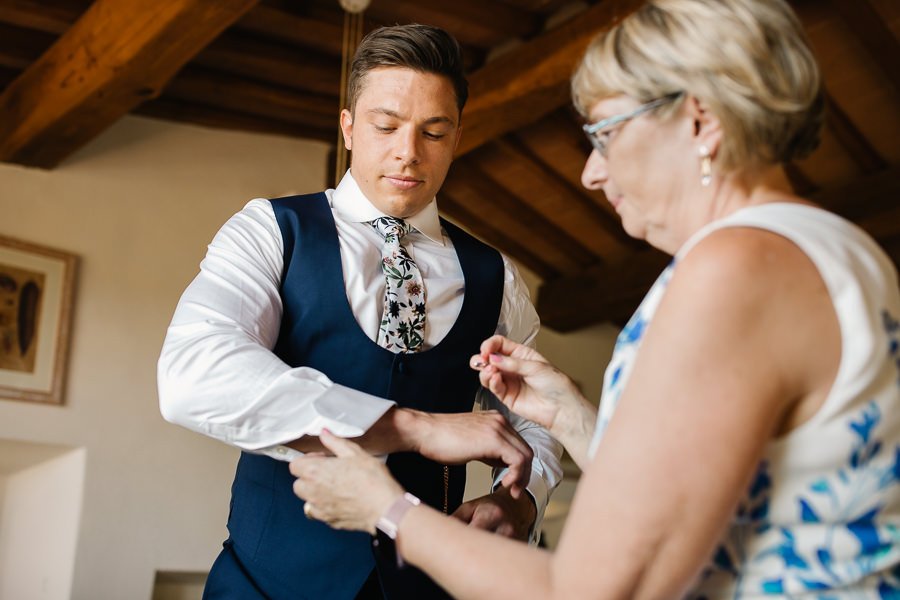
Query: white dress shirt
x=218, y=376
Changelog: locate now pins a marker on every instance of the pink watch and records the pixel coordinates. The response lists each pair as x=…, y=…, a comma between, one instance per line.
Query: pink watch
x=390, y=520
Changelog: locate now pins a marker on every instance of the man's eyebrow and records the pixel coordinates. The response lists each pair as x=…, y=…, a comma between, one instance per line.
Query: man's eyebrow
x=392, y=113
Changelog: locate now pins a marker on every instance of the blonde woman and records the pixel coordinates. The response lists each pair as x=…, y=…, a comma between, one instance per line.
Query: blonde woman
x=748, y=435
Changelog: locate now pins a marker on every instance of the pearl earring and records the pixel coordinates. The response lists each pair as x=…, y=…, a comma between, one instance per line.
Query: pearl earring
x=705, y=166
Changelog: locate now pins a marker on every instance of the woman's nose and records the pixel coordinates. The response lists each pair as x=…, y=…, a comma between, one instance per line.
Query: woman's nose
x=594, y=175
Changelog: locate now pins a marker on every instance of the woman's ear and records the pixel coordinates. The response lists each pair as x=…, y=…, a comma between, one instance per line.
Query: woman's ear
x=707, y=129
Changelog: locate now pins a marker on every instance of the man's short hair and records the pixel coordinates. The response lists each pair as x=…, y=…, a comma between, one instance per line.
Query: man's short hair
x=418, y=47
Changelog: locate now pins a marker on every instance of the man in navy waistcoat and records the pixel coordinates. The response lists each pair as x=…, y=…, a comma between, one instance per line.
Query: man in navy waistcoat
x=279, y=337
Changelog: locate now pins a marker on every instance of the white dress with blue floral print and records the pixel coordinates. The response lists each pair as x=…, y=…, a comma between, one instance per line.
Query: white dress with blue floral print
x=822, y=517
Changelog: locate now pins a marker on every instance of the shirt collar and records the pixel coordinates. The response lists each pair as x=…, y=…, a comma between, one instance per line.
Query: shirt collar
x=349, y=201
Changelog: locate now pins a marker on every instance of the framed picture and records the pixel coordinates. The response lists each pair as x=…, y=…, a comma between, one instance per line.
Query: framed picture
x=36, y=289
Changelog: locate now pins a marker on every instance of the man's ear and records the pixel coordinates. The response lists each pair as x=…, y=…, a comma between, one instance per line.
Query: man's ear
x=347, y=128
x=707, y=129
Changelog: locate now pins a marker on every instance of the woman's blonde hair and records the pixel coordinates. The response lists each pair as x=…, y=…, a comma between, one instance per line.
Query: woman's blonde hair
x=748, y=60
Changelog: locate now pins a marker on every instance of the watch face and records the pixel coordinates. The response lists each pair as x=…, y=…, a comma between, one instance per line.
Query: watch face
x=355, y=6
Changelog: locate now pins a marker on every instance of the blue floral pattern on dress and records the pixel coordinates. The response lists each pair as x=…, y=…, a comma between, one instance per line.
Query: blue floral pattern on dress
x=836, y=512
x=625, y=350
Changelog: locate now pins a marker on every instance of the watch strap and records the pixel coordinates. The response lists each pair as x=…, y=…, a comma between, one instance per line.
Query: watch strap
x=390, y=520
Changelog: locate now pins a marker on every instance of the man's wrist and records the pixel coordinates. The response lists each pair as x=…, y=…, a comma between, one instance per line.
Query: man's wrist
x=524, y=508
x=408, y=425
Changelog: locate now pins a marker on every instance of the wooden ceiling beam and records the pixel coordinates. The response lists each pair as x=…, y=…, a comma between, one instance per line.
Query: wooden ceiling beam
x=874, y=34
x=594, y=217
x=275, y=23
x=21, y=47
x=115, y=56
x=515, y=209
x=542, y=6
x=471, y=188
x=209, y=116
x=494, y=235
x=602, y=293
x=212, y=88
x=54, y=16
x=858, y=147
x=525, y=84
x=272, y=62
x=480, y=23
x=7, y=76
x=866, y=196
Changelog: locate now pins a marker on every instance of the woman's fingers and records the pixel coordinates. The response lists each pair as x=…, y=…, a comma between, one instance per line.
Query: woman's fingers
x=337, y=445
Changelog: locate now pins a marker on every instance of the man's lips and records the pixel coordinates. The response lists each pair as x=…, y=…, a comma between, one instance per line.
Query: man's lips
x=403, y=182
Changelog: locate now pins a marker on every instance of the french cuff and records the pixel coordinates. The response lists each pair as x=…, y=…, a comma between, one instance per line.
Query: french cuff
x=540, y=494
x=345, y=412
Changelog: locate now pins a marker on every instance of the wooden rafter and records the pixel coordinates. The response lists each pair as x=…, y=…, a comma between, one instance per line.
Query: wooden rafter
x=272, y=62
x=198, y=114
x=480, y=23
x=870, y=28
x=55, y=17
x=856, y=144
x=21, y=47
x=201, y=86
x=603, y=293
x=115, y=56
x=491, y=202
x=306, y=32
x=514, y=209
x=869, y=195
x=594, y=217
x=520, y=87
x=493, y=234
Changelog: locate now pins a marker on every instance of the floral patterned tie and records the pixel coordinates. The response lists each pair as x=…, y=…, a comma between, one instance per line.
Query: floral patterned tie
x=403, y=320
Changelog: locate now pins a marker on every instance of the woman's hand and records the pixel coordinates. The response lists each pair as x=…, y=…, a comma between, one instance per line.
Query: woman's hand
x=533, y=388
x=350, y=490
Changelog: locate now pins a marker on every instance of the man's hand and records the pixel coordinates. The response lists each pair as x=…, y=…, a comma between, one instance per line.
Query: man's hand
x=501, y=513
x=457, y=438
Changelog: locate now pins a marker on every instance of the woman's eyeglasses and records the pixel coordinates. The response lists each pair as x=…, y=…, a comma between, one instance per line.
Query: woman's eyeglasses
x=598, y=133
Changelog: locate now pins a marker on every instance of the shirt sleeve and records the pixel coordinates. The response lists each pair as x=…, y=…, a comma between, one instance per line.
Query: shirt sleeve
x=217, y=374
x=519, y=322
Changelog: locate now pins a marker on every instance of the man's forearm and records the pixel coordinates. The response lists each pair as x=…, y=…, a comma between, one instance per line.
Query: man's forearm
x=395, y=431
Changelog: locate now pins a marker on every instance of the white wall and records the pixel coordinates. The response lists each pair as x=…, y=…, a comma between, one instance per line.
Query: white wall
x=39, y=528
x=138, y=206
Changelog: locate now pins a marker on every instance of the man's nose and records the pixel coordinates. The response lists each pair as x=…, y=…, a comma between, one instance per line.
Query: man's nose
x=407, y=146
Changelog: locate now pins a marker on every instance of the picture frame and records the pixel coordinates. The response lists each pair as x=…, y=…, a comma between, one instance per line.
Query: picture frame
x=37, y=286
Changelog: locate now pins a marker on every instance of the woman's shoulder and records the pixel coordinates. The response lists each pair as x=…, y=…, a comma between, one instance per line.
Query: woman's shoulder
x=743, y=256
x=753, y=281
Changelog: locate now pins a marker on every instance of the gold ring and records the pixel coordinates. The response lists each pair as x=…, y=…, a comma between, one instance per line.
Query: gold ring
x=307, y=507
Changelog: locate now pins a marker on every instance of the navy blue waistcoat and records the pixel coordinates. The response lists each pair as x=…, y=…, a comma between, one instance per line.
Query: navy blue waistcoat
x=285, y=554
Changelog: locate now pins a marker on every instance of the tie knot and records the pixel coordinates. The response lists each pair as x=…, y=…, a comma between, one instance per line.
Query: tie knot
x=391, y=227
